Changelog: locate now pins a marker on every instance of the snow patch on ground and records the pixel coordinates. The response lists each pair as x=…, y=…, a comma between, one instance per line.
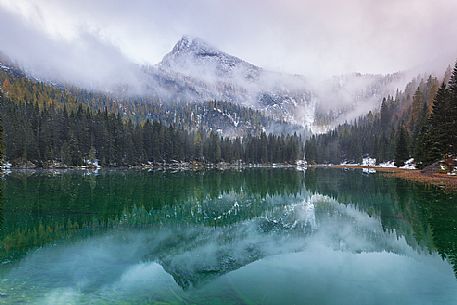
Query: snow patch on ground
x=371, y=162
x=302, y=165
x=387, y=164
x=4, y=67
x=368, y=161
x=93, y=163
x=409, y=164
x=349, y=164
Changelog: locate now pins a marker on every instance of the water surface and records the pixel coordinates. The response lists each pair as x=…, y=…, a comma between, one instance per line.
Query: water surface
x=258, y=236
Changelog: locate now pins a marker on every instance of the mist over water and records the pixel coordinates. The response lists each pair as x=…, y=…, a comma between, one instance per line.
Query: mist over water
x=269, y=236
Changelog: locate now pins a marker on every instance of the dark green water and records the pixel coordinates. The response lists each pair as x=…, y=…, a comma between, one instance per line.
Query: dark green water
x=259, y=236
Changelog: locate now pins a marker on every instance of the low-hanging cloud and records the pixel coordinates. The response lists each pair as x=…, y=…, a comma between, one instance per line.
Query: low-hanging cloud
x=88, y=62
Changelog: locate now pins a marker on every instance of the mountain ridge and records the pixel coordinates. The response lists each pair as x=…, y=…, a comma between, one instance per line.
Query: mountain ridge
x=196, y=71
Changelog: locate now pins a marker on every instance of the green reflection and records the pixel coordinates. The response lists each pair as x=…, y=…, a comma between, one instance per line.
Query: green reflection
x=425, y=215
x=44, y=207
x=258, y=236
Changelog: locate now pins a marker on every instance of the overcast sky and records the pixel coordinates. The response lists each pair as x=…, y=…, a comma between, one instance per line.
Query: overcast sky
x=319, y=37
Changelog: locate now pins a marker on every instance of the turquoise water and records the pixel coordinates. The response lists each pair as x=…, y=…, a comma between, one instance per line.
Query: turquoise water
x=257, y=236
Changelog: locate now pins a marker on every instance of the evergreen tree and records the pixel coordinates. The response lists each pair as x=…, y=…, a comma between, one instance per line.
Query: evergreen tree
x=435, y=138
x=401, y=150
x=385, y=115
x=49, y=134
x=451, y=124
x=419, y=137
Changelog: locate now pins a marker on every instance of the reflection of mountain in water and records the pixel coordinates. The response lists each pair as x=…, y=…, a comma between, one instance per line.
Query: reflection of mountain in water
x=195, y=253
x=197, y=257
x=201, y=226
x=424, y=216
x=44, y=207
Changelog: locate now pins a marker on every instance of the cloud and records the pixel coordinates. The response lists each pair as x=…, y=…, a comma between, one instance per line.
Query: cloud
x=307, y=37
x=88, y=61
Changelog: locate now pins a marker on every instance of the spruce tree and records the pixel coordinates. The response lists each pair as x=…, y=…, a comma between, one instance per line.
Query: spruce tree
x=401, y=151
x=451, y=125
x=436, y=137
x=385, y=116
x=420, y=137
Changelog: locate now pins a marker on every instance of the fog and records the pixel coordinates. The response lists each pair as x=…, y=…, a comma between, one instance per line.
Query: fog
x=102, y=44
x=319, y=38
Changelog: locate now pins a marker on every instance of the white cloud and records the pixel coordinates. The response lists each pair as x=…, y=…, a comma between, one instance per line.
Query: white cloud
x=307, y=37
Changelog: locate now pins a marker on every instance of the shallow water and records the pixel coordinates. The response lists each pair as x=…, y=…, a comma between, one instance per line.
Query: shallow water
x=258, y=236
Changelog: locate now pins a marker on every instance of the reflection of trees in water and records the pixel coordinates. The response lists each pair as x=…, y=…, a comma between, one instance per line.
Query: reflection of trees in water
x=39, y=209
x=78, y=197
x=44, y=207
x=424, y=215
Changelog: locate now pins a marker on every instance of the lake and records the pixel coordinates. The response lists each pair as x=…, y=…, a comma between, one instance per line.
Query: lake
x=256, y=236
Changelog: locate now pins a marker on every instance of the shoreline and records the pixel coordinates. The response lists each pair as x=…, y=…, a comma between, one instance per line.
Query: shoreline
x=443, y=181
x=155, y=167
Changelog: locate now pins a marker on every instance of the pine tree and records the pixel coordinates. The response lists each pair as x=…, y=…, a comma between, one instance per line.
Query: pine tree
x=451, y=125
x=385, y=117
x=401, y=151
x=420, y=137
x=417, y=107
x=435, y=139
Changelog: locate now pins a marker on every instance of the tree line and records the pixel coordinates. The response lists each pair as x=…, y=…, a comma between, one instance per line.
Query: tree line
x=48, y=133
x=419, y=122
x=232, y=118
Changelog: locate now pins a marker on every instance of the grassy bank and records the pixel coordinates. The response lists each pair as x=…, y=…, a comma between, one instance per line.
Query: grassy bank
x=437, y=179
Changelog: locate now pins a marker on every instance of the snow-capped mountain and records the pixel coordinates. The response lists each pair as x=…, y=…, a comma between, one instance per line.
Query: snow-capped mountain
x=194, y=70
x=191, y=55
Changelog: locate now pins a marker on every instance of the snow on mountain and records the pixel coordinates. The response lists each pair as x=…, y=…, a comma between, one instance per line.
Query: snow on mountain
x=195, y=70
x=192, y=55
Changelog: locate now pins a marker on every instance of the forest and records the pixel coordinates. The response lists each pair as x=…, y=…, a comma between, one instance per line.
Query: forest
x=43, y=135
x=44, y=125
x=419, y=122
x=49, y=125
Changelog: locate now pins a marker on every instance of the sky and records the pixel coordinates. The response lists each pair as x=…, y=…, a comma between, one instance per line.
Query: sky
x=313, y=38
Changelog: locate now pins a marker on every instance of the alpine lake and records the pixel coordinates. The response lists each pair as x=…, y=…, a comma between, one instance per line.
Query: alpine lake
x=251, y=236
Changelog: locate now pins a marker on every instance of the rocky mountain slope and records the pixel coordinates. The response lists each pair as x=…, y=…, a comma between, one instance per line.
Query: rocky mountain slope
x=196, y=72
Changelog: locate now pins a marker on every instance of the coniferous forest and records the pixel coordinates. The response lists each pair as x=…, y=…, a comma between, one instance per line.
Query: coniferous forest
x=47, y=134
x=419, y=123
x=169, y=152
x=45, y=125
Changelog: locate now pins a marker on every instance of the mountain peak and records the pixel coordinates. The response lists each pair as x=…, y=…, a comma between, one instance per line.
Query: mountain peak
x=187, y=42
x=193, y=53
x=195, y=46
